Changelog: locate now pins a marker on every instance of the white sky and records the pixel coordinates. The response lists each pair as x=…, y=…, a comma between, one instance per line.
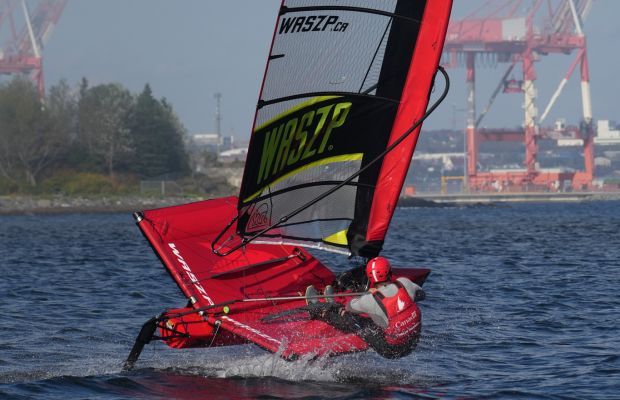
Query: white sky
x=188, y=50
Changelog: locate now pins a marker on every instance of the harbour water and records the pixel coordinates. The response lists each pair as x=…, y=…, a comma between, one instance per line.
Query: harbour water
x=522, y=302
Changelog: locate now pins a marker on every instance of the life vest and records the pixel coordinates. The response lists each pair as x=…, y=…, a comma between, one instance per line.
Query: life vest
x=403, y=316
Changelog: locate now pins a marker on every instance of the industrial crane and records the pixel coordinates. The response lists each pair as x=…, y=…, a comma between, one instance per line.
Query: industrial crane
x=23, y=45
x=518, y=33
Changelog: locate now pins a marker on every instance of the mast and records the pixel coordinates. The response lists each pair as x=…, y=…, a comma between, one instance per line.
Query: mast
x=218, y=120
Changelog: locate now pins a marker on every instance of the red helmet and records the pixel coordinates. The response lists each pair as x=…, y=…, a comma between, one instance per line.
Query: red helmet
x=378, y=270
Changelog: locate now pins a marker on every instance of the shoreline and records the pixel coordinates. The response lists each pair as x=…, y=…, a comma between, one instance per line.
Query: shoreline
x=526, y=197
x=33, y=205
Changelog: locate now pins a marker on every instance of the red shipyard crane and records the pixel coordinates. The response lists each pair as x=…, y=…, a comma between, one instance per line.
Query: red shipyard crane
x=518, y=33
x=24, y=33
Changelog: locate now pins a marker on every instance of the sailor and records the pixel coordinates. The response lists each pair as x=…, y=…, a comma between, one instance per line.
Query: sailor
x=392, y=327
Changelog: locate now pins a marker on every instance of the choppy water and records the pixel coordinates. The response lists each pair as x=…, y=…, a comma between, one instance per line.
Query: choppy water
x=523, y=302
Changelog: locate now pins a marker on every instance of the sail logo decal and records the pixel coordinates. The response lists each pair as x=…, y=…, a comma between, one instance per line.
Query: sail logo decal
x=312, y=23
x=301, y=137
x=259, y=218
x=190, y=274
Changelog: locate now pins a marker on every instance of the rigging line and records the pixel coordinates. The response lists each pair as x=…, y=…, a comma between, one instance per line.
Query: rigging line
x=201, y=310
x=218, y=323
x=370, y=89
x=391, y=147
x=263, y=103
x=259, y=286
x=387, y=26
x=219, y=236
x=285, y=9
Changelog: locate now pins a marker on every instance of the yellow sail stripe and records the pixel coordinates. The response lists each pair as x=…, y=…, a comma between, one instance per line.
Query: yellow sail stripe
x=298, y=107
x=337, y=238
x=324, y=161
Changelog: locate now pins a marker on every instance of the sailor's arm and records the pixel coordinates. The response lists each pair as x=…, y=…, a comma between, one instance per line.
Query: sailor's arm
x=367, y=304
x=410, y=287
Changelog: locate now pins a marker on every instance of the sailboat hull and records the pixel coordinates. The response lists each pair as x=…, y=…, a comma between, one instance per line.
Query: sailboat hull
x=259, y=271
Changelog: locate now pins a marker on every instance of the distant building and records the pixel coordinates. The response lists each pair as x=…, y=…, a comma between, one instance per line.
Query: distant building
x=606, y=134
x=207, y=141
x=212, y=142
x=233, y=155
x=228, y=143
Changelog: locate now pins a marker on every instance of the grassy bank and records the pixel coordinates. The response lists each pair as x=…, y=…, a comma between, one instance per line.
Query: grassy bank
x=90, y=192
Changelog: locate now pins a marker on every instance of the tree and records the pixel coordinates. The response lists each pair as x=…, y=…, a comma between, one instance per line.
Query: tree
x=178, y=135
x=158, y=138
x=29, y=138
x=102, y=117
x=61, y=106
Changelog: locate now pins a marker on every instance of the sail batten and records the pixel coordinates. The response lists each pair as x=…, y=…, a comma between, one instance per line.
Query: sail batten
x=286, y=10
x=263, y=103
x=344, y=80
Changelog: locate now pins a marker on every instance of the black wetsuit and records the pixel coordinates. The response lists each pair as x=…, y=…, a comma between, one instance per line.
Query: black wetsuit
x=366, y=329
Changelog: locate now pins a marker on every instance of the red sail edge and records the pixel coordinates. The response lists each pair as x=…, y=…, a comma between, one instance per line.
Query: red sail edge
x=414, y=101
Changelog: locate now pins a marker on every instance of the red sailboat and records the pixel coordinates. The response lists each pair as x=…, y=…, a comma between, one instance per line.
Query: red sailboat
x=345, y=92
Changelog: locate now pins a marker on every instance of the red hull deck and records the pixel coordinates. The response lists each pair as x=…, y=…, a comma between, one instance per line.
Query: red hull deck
x=182, y=236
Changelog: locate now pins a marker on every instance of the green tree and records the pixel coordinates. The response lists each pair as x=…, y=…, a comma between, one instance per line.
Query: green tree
x=102, y=117
x=31, y=137
x=158, y=138
x=61, y=106
x=179, y=160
